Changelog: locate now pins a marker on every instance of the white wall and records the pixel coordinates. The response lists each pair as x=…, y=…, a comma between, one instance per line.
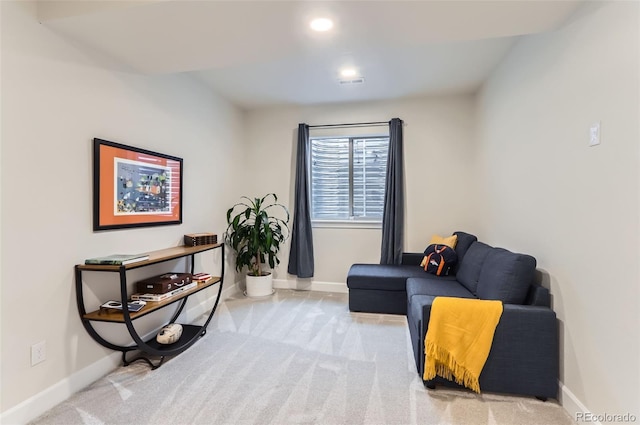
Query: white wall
x=439, y=156
x=530, y=183
x=55, y=100
x=574, y=207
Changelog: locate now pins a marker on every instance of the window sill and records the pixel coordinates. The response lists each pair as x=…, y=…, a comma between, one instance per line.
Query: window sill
x=346, y=224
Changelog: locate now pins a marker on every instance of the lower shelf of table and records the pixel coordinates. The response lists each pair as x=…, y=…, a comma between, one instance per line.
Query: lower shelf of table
x=189, y=333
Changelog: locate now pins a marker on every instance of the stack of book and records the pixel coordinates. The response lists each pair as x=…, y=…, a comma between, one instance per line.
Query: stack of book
x=117, y=259
x=197, y=239
x=160, y=288
x=202, y=277
x=162, y=297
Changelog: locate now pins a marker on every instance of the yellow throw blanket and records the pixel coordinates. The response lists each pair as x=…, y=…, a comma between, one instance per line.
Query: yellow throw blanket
x=459, y=339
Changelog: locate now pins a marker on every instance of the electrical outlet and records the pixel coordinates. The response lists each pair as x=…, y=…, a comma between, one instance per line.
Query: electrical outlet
x=594, y=134
x=38, y=353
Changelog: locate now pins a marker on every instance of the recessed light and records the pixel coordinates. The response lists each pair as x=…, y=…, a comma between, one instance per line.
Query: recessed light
x=321, y=24
x=348, y=72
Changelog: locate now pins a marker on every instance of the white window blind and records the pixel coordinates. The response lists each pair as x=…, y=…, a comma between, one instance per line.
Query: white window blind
x=348, y=177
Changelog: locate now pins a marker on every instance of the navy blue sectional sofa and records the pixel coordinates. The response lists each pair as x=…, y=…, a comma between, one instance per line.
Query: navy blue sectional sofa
x=524, y=354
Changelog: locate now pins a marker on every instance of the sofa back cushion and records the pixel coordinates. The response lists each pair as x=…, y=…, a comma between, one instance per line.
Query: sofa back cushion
x=463, y=243
x=505, y=276
x=471, y=265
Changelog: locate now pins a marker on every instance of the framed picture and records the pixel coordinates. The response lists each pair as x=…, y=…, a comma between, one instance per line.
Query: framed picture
x=134, y=187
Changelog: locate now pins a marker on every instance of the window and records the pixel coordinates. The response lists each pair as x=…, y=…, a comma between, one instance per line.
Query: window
x=348, y=178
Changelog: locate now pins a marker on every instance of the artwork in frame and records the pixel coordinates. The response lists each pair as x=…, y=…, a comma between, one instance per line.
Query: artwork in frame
x=134, y=187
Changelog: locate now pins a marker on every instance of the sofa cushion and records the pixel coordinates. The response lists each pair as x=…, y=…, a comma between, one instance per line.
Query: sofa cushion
x=463, y=243
x=389, y=277
x=506, y=276
x=471, y=265
x=436, y=286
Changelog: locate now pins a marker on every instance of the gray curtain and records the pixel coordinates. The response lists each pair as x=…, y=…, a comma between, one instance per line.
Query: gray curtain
x=301, y=253
x=393, y=215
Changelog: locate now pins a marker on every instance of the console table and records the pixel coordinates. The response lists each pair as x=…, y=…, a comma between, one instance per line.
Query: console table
x=190, y=333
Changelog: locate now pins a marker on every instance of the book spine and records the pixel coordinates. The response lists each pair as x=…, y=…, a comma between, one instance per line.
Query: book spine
x=103, y=262
x=201, y=277
x=150, y=297
x=197, y=240
x=183, y=288
x=133, y=260
x=160, y=297
x=204, y=280
x=114, y=262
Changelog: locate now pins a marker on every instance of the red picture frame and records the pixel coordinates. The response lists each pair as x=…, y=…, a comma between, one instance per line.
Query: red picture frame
x=134, y=187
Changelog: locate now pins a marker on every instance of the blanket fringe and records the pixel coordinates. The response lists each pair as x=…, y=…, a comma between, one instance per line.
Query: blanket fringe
x=441, y=363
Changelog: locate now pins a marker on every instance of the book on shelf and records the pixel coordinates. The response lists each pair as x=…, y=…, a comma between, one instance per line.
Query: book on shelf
x=201, y=277
x=151, y=297
x=131, y=306
x=197, y=239
x=117, y=259
x=166, y=295
x=183, y=288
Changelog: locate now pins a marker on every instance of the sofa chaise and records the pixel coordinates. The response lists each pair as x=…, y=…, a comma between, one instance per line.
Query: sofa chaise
x=524, y=354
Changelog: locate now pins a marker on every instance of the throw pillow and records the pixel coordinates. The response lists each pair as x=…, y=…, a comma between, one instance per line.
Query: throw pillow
x=449, y=241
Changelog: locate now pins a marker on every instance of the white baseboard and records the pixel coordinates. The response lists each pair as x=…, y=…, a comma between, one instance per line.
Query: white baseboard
x=311, y=285
x=38, y=404
x=573, y=406
x=57, y=393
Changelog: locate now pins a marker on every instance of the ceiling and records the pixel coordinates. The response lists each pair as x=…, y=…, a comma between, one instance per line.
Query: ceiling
x=263, y=53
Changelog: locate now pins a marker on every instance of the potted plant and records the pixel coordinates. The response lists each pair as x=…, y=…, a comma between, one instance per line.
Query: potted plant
x=256, y=231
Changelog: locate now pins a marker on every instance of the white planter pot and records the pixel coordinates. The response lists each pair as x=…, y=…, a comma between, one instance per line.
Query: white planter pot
x=259, y=286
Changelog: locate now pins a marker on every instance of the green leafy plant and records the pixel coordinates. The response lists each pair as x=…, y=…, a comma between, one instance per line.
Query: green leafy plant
x=255, y=233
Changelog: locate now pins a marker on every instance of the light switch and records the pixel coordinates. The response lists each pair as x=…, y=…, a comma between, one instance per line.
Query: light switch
x=594, y=134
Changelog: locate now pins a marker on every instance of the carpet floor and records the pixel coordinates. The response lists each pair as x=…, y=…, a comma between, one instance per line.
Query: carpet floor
x=292, y=358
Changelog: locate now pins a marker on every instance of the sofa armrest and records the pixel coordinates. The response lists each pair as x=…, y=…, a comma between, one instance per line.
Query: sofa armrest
x=538, y=295
x=524, y=356
x=412, y=258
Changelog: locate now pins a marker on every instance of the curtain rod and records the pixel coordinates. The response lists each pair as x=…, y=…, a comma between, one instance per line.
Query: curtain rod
x=357, y=124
